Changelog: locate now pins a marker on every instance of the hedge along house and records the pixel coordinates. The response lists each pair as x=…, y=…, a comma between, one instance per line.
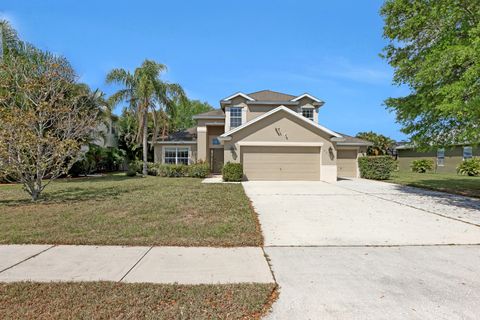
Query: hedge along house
x=445, y=159
x=275, y=136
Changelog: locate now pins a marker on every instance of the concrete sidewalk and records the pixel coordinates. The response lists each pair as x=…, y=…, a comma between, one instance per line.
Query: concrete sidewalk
x=184, y=265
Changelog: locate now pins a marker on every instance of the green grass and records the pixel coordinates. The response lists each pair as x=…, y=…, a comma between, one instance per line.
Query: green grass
x=108, y=300
x=446, y=182
x=118, y=210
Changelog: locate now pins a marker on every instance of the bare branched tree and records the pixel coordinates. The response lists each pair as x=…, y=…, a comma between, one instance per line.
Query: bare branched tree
x=45, y=118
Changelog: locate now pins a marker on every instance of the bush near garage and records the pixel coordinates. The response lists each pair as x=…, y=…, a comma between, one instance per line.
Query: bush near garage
x=469, y=167
x=232, y=172
x=422, y=165
x=376, y=167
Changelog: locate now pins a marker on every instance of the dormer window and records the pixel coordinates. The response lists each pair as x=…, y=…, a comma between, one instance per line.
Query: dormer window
x=235, y=117
x=307, y=113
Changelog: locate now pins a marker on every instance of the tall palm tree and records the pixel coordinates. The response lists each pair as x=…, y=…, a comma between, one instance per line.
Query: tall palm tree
x=145, y=92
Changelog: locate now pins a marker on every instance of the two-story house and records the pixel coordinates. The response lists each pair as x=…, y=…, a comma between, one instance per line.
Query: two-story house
x=275, y=136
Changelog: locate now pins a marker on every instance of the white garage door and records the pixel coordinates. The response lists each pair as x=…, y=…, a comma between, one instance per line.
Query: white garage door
x=281, y=163
x=347, y=163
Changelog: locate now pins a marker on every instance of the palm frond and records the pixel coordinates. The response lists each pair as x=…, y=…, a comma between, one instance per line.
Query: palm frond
x=120, y=76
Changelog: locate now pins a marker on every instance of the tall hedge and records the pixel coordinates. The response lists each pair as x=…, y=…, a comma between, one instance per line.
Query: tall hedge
x=377, y=168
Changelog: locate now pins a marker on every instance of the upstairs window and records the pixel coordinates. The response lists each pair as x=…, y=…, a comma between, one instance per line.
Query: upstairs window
x=235, y=117
x=441, y=157
x=467, y=153
x=308, y=113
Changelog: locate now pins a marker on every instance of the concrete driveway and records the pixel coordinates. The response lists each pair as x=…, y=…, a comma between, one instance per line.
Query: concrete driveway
x=362, y=249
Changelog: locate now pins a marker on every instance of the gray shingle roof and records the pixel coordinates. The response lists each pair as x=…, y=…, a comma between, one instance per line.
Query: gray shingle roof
x=353, y=140
x=269, y=95
x=213, y=113
x=189, y=134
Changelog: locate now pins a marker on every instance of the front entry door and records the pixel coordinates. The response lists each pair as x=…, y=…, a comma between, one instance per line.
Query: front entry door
x=216, y=160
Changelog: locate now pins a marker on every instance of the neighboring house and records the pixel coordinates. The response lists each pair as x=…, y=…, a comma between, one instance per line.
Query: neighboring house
x=106, y=134
x=275, y=136
x=446, y=159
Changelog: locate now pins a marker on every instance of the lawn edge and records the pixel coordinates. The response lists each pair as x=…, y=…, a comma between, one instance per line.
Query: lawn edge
x=448, y=191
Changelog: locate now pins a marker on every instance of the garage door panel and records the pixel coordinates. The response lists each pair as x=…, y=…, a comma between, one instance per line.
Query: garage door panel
x=347, y=163
x=281, y=163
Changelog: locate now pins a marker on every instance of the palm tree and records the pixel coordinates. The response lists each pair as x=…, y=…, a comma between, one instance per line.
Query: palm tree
x=8, y=38
x=145, y=92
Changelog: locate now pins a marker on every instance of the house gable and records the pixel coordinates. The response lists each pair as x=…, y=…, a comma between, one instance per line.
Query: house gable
x=282, y=128
x=282, y=112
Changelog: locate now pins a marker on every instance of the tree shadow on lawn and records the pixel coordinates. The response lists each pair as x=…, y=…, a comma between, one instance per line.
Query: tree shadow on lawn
x=105, y=178
x=74, y=194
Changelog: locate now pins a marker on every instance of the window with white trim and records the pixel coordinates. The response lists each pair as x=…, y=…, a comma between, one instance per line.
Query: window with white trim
x=176, y=155
x=467, y=152
x=235, y=117
x=441, y=157
x=307, y=113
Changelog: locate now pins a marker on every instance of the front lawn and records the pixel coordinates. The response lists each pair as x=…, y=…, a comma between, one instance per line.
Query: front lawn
x=447, y=182
x=108, y=300
x=118, y=210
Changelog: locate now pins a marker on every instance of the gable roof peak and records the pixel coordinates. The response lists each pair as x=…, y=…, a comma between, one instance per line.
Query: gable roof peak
x=270, y=95
x=307, y=95
x=246, y=96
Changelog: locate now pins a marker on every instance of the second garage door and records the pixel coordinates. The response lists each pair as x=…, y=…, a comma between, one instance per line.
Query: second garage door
x=347, y=163
x=281, y=163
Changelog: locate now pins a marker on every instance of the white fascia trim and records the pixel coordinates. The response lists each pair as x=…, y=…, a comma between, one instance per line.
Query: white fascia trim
x=215, y=123
x=279, y=144
x=239, y=94
x=208, y=117
x=281, y=108
x=308, y=96
x=354, y=144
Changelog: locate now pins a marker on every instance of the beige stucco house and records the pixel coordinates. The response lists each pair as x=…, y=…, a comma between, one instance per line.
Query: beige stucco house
x=445, y=159
x=275, y=136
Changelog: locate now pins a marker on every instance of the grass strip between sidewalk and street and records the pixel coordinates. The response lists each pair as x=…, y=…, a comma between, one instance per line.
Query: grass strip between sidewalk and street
x=111, y=300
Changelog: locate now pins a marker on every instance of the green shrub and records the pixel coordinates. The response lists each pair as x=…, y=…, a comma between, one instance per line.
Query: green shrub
x=469, y=167
x=152, y=168
x=98, y=159
x=422, y=165
x=172, y=170
x=136, y=165
x=376, y=168
x=199, y=170
x=232, y=172
x=131, y=173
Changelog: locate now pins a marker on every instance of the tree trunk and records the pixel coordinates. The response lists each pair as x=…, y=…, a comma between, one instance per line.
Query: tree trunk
x=145, y=143
x=35, y=195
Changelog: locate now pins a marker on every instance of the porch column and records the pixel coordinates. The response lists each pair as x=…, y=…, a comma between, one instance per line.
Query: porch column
x=202, y=143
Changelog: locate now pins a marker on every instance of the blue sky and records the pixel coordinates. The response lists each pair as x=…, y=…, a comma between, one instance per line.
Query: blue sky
x=215, y=48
